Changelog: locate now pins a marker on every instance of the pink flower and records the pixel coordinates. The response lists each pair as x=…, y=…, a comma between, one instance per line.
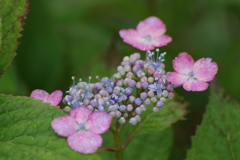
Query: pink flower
x=148, y=35
x=192, y=75
x=83, y=128
x=54, y=98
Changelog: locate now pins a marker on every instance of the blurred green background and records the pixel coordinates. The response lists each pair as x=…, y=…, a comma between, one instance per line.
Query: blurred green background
x=64, y=38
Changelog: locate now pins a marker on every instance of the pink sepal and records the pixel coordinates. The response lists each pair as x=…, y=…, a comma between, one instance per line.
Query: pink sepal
x=195, y=85
x=99, y=122
x=55, y=97
x=148, y=35
x=85, y=142
x=152, y=26
x=204, y=69
x=183, y=63
x=80, y=114
x=130, y=36
x=39, y=94
x=162, y=40
x=176, y=78
x=64, y=126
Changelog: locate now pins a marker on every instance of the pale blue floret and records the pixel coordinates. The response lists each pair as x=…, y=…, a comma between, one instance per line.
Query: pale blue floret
x=87, y=90
x=156, y=62
x=81, y=126
x=157, y=87
x=75, y=103
x=106, y=82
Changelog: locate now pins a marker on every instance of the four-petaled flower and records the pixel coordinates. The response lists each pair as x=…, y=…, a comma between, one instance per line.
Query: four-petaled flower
x=192, y=75
x=83, y=128
x=54, y=98
x=148, y=34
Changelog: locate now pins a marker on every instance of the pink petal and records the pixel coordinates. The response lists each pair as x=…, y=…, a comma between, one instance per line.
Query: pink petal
x=39, y=94
x=183, y=63
x=161, y=41
x=152, y=26
x=85, y=142
x=55, y=97
x=99, y=122
x=144, y=46
x=176, y=79
x=133, y=38
x=130, y=36
x=80, y=114
x=204, y=69
x=64, y=126
x=195, y=85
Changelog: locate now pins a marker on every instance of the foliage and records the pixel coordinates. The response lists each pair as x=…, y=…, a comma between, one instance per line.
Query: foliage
x=25, y=130
x=12, y=16
x=218, y=136
x=80, y=38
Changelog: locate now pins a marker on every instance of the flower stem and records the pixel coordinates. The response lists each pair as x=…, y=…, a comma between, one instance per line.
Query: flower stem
x=118, y=146
x=117, y=141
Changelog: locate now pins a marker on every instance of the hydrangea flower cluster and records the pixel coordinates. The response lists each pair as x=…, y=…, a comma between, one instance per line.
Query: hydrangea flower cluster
x=128, y=93
x=137, y=84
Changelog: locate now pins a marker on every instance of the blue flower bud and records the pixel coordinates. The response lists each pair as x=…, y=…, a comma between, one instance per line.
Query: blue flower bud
x=165, y=93
x=121, y=120
x=138, y=101
x=170, y=87
x=136, y=68
x=132, y=99
x=109, y=90
x=155, y=109
x=118, y=114
x=119, y=83
x=90, y=107
x=139, y=62
x=128, y=91
x=143, y=95
x=159, y=104
x=131, y=83
x=154, y=99
x=133, y=121
x=129, y=107
x=98, y=86
x=94, y=103
x=122, y=108
x=144, y=85
x=138, y=110
x=147, y=101
x=116, y=92
x=138, y=118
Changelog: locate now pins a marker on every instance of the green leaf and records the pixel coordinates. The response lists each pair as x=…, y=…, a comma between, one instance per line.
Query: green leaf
x=13, y=12
x=152, y=122
x=150, y=146
x=26, y=133
x=218, y=136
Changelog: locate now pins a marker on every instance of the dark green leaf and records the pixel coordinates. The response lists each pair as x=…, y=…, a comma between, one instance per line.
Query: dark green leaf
x=150, y=146
x=218, y=136
x=26, y=133
x=13, y=12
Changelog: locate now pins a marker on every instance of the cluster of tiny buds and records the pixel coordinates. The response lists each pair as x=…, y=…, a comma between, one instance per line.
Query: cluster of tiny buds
x=126, y=95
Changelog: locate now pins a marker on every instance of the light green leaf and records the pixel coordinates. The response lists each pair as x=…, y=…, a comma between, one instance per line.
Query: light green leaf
x=13, y=12
x=218, y=137
x=152, y=122
x=26, y=133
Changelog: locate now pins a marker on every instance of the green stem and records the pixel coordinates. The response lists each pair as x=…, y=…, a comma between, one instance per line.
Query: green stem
x=116, y=131
x=118, y=146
